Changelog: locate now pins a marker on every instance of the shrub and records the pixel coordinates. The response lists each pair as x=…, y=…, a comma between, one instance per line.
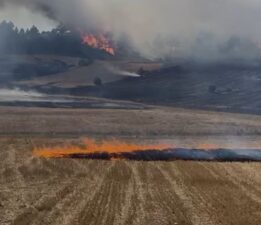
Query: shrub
x=97, y=81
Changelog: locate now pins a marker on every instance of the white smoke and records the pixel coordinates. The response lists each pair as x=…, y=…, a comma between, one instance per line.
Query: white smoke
x=200, y=29
x=16, y=94
x=129, y=74
x=118, y=71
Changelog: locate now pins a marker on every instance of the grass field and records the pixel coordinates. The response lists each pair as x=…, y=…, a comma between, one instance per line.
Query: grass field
x=152, y=122
x=37, y=191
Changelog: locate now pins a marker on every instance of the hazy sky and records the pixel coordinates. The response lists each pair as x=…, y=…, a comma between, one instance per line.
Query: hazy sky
x=155, y=27
x=24, y=18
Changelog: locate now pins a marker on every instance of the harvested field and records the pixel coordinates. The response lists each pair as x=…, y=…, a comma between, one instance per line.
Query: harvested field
x=152, y=122
x=71, y=191
x=39, y=191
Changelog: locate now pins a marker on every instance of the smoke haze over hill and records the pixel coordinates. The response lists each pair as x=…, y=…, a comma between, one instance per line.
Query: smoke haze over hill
x=212, y=31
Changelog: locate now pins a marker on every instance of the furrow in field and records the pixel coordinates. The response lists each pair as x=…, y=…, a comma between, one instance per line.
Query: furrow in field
x=241, y=181
x=137, y=214
x=248, y=175
x=107, y=205
x=46, y=196
x=217, y=194
x=71, y=208
x=193, y=214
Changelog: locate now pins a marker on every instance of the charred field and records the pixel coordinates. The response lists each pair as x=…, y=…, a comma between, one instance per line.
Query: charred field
x=75, y=190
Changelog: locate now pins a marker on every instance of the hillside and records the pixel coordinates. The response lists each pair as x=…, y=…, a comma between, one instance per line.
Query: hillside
x=218, y=88
x=228, y=87
x=52, y=71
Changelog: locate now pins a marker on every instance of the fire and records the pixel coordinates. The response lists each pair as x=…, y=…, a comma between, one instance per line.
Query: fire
x=208, y=146
x=99, y=41
x=90, y=146
x=120, y=150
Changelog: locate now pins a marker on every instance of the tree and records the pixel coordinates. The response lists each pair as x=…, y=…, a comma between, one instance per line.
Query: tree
x=22, y=32
x=33, y=30
x=97, y=81
x=58, y=41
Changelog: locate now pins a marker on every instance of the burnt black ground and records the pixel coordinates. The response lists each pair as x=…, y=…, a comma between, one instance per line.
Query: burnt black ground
x=219, y=155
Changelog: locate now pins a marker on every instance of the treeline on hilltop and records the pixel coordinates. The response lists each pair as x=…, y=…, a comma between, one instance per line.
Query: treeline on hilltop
x=58, y=41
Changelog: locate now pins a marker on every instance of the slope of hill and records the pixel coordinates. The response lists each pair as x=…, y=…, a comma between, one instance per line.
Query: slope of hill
x=219, y=88
x=74, y=74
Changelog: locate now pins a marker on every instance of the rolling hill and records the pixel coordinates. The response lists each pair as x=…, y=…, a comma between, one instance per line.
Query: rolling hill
x=218, y=87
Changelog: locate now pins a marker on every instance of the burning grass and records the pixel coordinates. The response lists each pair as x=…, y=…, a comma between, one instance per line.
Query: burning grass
x=116, y=149
x=91, y=146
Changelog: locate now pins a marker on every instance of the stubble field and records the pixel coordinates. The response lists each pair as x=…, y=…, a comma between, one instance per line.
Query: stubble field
x=76, y=191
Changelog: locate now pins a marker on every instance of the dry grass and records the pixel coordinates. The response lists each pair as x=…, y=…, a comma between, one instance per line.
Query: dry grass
x=69, y=191
x=36, y=191
x=154, y=122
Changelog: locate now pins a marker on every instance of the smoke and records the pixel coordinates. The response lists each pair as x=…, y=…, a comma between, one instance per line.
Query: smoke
x=18, y=95
x=129, y=74
x=203, y=30
x=24, y=18
x=33, y=98
x=121, y=72
x=215, y=155
x=118, y=149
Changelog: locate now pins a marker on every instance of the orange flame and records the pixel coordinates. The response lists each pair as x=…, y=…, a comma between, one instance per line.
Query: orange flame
x=98, y=41
x=208, y=146
x=91, y=146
